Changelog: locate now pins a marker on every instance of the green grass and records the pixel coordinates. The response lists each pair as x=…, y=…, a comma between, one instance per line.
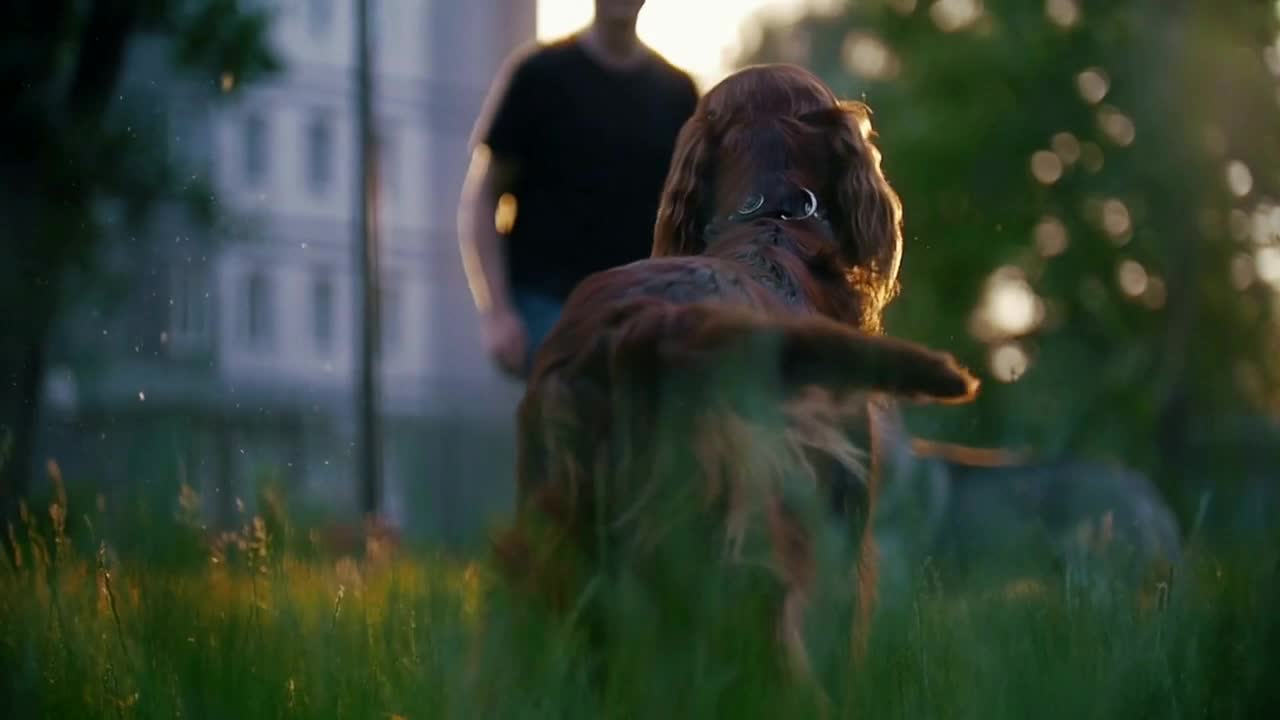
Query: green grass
x=255, y=625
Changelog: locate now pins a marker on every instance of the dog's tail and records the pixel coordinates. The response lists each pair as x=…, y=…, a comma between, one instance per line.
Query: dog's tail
x=968, y=455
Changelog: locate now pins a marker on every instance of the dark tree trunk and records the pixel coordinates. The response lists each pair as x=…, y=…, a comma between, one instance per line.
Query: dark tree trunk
x=23, y=371
x=37, y=248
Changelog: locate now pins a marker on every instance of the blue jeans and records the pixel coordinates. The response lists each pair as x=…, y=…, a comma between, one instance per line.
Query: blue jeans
x=539, y=312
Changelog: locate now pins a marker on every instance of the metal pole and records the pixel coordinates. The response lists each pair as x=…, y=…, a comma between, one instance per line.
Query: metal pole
x=368, y=362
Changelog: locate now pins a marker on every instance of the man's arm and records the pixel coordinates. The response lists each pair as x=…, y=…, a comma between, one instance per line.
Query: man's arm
x=482, y=245
x=488, y=179
x=502, y=136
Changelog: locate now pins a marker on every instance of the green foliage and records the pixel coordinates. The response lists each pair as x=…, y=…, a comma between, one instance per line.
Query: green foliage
x=1136, y=110
x=75, y=139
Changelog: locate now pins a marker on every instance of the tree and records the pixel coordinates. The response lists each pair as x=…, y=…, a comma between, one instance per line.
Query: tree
x=75, y=156
x=1092, y=205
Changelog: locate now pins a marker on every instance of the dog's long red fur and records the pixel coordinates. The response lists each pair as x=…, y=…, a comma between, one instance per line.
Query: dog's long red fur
x=740, y=366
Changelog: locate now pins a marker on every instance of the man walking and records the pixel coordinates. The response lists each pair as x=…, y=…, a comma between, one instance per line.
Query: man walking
x=575, y=142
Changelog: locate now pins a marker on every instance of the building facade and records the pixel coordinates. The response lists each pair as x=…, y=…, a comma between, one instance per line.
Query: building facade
x=227, y=358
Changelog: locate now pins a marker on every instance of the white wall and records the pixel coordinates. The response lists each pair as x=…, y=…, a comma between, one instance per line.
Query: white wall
x=400, y=27
x=286, y=190
x=299, y=229
x=292, y=355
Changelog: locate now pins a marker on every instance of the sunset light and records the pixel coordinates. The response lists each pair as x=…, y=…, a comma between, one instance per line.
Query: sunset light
x=701, y=37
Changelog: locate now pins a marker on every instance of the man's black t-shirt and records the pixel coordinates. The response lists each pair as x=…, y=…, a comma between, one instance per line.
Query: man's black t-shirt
x=591, y=147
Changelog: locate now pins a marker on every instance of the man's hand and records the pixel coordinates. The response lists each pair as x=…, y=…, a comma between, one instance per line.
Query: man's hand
x=506, y=340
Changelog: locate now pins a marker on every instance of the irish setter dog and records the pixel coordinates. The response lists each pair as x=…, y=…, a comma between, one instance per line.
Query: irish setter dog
x=720, y=394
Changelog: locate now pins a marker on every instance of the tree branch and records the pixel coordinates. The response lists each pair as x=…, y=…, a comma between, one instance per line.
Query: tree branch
x=104, y=40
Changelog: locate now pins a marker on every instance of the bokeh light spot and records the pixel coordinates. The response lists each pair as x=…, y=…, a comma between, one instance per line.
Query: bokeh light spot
x=1239, y=178
x=1132, y=278
x=867, y=56
x=1268, y=265
x=1066, y=146
x=953, y=15
x=1063, y=13
x=1050, y=237
x=1046, y=167
x=1009, y=362
x=1115, y=219
x=1117, y=126
x=1093, y=85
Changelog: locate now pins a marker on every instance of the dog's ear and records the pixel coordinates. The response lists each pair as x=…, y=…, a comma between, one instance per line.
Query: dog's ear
x=869, y=215
x=678, y=230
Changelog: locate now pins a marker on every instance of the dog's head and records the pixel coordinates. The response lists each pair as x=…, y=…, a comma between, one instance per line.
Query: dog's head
x=778, y=126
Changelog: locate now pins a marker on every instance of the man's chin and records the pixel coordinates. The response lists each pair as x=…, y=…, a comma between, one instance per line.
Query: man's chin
x=619, y=20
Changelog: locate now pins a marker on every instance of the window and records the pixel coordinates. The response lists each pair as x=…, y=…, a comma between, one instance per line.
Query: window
x=188, y=305
x=322, y=311
x=255, y=148
x=319, y=17
x=257, y=315
x=319, y=153
x=390, y=317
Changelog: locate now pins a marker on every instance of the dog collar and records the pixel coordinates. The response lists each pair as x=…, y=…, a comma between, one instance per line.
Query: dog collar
x=789, y=203
x=785, y=208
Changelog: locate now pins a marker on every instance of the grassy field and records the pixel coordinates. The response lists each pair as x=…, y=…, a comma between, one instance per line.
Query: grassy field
x=259, y=624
